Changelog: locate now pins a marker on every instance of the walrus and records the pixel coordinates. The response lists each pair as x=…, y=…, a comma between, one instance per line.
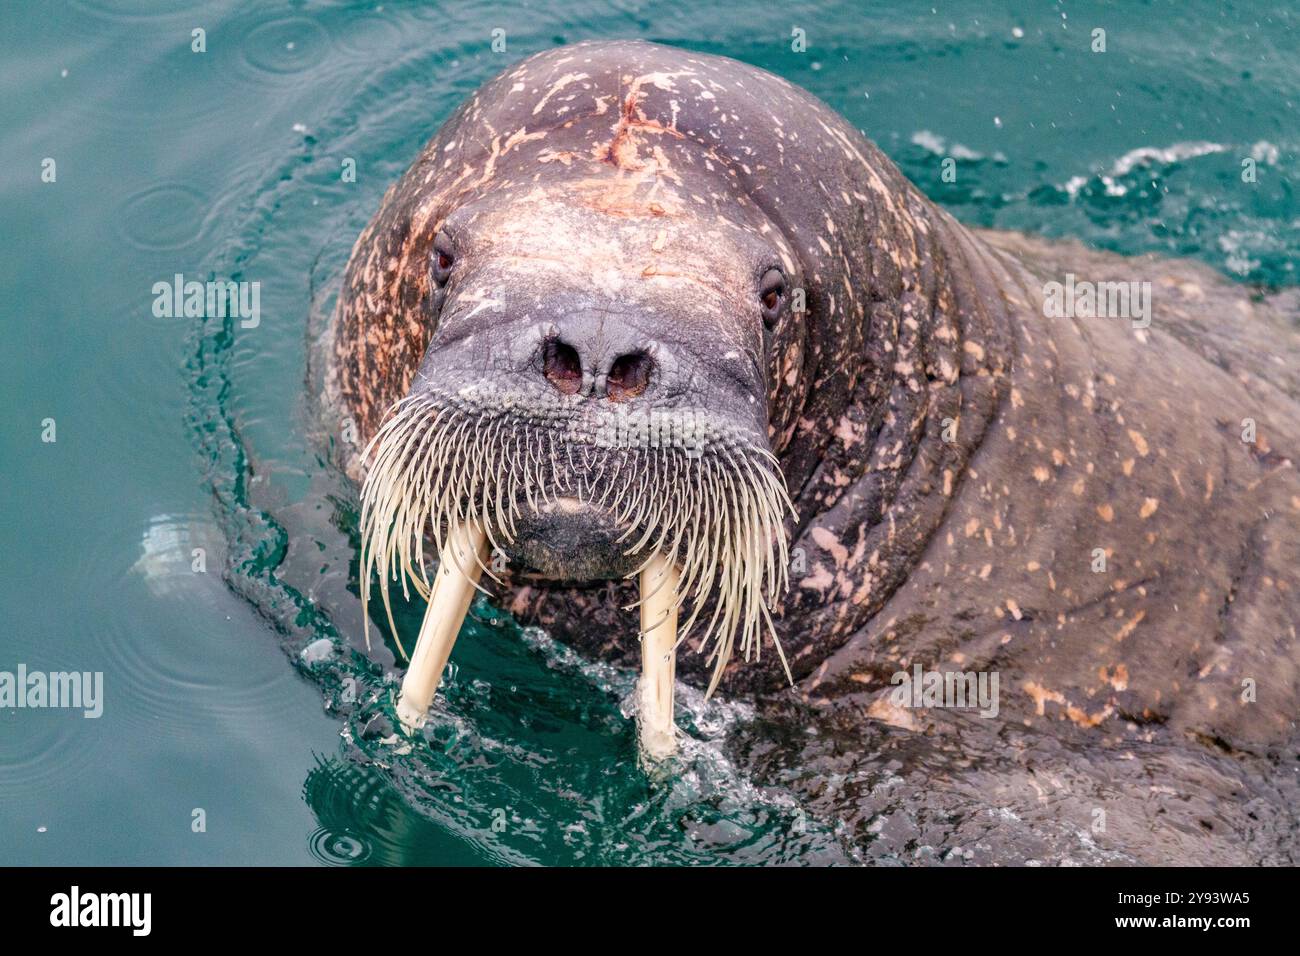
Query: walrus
x=647, y=328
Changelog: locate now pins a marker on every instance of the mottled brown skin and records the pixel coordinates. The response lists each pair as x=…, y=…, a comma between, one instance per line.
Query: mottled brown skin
x=1131, y=442
x=971, y=551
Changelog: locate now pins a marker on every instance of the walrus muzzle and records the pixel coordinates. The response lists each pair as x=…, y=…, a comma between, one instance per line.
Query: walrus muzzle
x=686, y=501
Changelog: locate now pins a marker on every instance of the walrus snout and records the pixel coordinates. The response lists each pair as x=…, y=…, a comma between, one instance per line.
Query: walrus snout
x=596, y=362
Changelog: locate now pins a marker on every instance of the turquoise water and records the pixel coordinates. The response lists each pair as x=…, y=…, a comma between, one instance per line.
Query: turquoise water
x=177, y=434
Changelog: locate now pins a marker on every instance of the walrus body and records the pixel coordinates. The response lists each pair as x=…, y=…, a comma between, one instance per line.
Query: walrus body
x=976, y=486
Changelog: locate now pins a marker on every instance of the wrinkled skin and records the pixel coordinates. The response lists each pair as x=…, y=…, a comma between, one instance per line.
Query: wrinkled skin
x=955, y=457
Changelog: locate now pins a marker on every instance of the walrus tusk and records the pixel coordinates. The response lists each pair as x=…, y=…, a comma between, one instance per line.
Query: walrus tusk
x=459, y=567
x=658, y=733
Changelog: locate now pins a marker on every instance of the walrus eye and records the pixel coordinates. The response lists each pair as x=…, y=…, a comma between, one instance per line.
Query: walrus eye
x=443, y=259
x=771, y=293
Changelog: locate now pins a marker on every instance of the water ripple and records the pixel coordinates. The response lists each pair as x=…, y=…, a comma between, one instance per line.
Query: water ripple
x=285, y=46
x=166, y=216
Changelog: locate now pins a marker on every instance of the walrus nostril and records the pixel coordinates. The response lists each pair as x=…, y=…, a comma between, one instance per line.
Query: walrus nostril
x=562, y=366
x=629, y=376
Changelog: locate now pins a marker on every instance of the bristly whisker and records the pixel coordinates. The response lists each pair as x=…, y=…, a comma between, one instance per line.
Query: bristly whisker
x=710, y=499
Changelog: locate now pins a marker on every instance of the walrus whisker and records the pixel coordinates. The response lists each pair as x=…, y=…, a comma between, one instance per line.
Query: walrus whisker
x=377, y=555
x=650, y=528
x=511, y=511
x=780, y=651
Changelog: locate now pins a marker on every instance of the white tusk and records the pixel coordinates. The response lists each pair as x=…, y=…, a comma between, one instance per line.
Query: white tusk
x=459, y=567
x=659, y=579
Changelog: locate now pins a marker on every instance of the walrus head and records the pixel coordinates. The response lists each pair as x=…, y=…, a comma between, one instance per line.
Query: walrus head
x=624, y=299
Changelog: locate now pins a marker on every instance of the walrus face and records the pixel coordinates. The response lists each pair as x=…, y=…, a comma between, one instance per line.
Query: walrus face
x=595, y=395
